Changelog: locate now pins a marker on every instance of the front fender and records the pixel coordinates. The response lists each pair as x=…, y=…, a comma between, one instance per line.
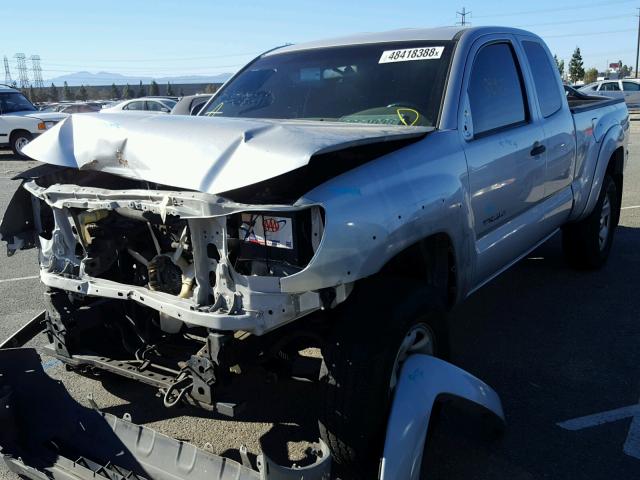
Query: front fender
x=422, y=381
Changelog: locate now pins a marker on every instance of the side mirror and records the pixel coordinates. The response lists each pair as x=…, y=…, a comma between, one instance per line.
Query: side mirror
x=165, y=110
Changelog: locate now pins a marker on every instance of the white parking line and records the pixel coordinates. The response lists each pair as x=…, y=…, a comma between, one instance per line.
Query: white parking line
x=17, y=279
x=632, y=443
x=629, y=208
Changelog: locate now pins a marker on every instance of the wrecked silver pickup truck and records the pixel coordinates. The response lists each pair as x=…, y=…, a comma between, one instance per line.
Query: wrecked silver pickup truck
x=339, y=195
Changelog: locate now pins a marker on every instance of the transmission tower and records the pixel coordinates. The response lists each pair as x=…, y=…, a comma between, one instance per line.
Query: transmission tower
x=21, y=64
x=7, y=72
x=463, y=17
x=37, y=71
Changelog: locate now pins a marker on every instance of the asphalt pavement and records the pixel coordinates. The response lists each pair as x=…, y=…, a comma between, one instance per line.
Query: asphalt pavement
x=561, y=347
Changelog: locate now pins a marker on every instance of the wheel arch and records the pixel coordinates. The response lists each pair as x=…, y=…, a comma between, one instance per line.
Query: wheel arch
x=610, y=159
x=432, y=259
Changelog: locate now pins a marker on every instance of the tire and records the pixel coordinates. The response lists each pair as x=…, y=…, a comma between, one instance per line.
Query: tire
x=585, y=244
x=18, y=140
x=359, y=357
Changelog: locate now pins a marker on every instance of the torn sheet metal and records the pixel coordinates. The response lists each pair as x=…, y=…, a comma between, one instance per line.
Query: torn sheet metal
x=423, y=380
x=210, y=155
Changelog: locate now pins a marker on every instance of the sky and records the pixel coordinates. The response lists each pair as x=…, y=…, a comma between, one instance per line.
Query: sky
x=197, y=37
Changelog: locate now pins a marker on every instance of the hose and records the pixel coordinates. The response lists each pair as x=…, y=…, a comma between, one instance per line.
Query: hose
x=172, y=403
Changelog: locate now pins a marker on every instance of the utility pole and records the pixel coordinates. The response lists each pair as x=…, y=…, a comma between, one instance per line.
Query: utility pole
x=463, y=17
x=638, y=43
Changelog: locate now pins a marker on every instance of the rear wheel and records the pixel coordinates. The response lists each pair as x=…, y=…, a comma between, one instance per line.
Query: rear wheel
x=18, y=141
x=380, y=325
x=587, y=243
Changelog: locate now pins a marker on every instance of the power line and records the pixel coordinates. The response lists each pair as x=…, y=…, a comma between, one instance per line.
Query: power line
x=559, y=9
x=586, y=20
x=590, y=33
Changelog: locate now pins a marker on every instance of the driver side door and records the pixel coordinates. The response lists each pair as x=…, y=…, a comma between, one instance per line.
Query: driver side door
x=505, y=148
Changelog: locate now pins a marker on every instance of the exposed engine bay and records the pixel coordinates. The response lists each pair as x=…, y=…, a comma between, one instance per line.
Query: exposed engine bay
x=160, y=285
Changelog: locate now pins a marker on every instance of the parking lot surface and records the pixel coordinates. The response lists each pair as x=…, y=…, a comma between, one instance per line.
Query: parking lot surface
x=556, y=344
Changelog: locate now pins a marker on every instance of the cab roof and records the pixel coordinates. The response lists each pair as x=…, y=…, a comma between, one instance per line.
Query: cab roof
x=401, y=35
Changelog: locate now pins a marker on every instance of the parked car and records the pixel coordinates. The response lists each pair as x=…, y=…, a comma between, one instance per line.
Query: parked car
x=190, y=104
x=340, y=194
x=20, y=120
x=627, y=89
x=144, y=104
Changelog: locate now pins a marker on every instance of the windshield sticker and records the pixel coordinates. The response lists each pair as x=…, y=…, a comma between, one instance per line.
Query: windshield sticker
x=411, y=54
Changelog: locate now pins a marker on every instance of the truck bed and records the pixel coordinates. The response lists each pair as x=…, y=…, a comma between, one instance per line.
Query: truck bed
x=579, y=102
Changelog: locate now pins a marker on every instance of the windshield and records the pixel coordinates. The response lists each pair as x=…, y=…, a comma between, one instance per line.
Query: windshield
x=15, y=102
x=399, y=83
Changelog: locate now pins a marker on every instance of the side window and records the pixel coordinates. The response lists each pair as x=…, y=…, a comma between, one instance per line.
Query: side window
x=610, y=87
x=496, y=96
x=630, y=86
x=544, y=78
x=134, y=106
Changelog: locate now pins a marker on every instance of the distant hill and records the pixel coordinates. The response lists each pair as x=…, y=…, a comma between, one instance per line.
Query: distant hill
x=107, y=78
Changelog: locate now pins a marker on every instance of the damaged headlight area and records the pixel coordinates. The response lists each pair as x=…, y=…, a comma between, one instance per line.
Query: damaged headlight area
x=160, y=285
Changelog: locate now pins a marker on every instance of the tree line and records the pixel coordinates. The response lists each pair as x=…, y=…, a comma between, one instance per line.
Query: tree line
x=577, y=72
x=115, y=92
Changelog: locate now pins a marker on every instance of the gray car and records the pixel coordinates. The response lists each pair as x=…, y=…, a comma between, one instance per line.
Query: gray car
x=627, y=89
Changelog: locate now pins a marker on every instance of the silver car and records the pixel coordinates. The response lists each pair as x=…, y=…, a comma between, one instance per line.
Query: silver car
x=629, y=89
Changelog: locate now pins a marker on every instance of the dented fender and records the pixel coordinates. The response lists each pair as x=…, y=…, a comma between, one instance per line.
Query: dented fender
x=423, y=380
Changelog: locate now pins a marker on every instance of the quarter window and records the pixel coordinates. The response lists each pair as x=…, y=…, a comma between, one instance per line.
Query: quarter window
x=544, y=78
x=630, y=86
x=495, y=90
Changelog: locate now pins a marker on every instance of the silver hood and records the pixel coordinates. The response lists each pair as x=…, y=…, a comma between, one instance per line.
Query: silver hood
x=210, y=155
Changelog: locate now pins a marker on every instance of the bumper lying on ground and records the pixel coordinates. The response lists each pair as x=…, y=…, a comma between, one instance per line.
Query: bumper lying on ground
x=46, y=434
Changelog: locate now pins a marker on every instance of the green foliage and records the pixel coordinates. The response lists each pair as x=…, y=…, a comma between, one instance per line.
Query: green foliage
x=591, y=75
x=53, y=95
x=141, y=90
x=82, y=94
x=115, y=91
x=66, y=92
x=169, y=89
x=559, y=65
x=127, y=92
x=210, y=88
x=576, y=66
x=154, y=90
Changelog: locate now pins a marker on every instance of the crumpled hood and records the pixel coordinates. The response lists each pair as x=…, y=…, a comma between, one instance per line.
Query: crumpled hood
x=211, y=155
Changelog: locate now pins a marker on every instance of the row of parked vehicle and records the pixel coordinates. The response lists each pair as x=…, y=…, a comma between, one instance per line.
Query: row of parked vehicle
x=626, y=88
x=21, y=121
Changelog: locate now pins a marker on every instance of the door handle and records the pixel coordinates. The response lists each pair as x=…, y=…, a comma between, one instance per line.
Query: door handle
x=538, y=149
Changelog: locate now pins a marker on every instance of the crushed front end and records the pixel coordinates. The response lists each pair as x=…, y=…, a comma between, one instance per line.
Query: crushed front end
x=174, y=288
